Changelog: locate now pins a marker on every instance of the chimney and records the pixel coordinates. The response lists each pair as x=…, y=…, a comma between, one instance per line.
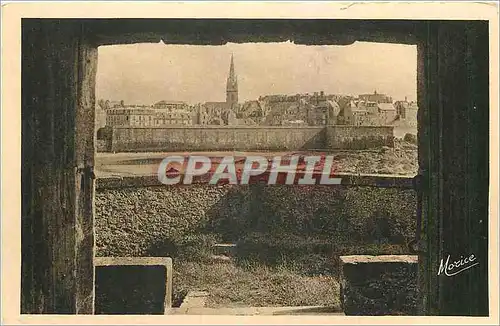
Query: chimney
x=406, y=98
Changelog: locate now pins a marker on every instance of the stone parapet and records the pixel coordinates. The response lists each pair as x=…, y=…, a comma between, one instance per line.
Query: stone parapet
x=379, y=285
x=133, y=285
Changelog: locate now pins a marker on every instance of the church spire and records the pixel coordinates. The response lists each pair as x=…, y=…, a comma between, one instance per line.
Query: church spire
x=232, y=76
x=232, y=85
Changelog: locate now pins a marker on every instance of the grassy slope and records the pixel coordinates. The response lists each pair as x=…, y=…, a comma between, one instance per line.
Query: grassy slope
x=254, y=285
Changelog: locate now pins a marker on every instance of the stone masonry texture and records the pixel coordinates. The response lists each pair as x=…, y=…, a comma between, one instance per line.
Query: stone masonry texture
x=157, y=220
x=379, y=285
x=202, y=138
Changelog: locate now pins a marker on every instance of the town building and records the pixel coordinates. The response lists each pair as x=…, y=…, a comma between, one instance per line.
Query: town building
x=317, y=109
x=315, y=98
x=201, y=115
x=113, y=104
x=407, y=112
x=353, y=114
x=323, y=113
x=290, y=110
x=255, y=110
x=159, y=114
x=100, y=115
x=134, y=116
x=371, y=107
x=387, y=113
x=376, y=97
x=170, y=106
x=172, y=113
x=176, y=117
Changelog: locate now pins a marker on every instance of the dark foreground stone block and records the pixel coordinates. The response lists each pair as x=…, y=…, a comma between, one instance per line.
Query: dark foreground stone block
x=378, y=285
x=133, y=285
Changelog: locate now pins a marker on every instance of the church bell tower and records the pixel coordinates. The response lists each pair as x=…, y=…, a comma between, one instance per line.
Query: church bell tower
x=232, y=86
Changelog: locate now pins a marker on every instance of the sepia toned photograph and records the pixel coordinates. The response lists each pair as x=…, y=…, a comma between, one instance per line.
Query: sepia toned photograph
x=260, y=248
x=293, y=167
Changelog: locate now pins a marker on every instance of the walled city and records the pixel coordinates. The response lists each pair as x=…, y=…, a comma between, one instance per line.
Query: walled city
x=258, y=245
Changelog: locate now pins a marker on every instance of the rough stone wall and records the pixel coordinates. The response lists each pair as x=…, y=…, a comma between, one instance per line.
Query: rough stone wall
x=101, y=145
x=216, y=138
x=379, y=285
x=133, y=285
x=153, y=220
x=360, y=137
x=248, y=138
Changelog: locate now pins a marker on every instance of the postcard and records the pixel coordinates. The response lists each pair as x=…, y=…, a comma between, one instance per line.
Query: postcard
x=250, y=162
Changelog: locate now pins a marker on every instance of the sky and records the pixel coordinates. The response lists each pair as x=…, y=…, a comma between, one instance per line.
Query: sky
x=146, y=73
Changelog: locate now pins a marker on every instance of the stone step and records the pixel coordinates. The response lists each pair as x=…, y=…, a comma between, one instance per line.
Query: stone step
x=194, y=299
x=220, y=259
x=228, y=249
x=260, y=311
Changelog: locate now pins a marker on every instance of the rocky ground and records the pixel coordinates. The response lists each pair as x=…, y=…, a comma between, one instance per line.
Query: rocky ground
x=400, y=160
